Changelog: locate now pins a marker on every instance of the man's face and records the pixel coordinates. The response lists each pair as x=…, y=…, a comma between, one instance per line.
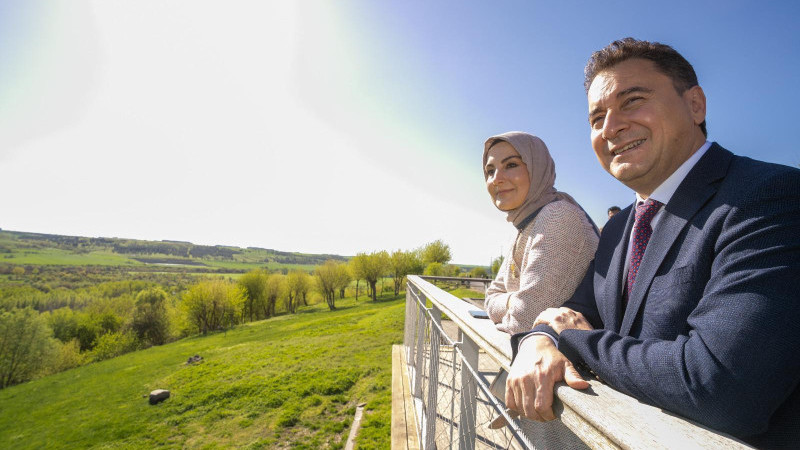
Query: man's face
x=642, y=129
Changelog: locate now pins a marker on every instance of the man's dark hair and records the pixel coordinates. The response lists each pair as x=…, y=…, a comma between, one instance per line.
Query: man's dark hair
x=666, y=59
x=614, y=208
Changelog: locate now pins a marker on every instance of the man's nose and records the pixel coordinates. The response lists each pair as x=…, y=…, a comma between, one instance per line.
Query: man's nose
x=613, y=123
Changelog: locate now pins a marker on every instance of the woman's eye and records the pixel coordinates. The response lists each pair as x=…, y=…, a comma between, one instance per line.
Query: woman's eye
x=511, y=165
x=489, y=172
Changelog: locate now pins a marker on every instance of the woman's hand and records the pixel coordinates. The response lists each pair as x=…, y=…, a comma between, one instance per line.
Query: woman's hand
x=560, y=319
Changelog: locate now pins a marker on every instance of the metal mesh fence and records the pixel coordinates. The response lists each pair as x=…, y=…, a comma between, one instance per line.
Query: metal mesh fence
x=452, y=400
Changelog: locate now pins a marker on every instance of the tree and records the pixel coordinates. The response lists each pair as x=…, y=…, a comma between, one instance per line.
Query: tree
x=450, y=270
x=343, y=278
x=357, y=265
x=254, y=288
x=212, y=304
x=401, y=264
x=87, y=332
x=496, y=263
x=275, y=289
x=25, y=345
x=297, y=285
x=113, y=344
x=376, y=265
x=305, y=287
x=434, y=269
x=326, y=276
x=478, y=272
x=64, y=323
x=436, y=251
x=150, y=321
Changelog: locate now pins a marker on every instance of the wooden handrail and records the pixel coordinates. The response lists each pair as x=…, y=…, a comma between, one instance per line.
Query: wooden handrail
x=463, y=279
x=601, y=416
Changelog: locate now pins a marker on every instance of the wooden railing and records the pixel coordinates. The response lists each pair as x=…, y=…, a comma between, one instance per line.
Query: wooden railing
x=600, y=416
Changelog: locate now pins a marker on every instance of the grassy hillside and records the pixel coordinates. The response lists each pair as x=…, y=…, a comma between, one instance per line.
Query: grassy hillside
x=287, y=382
x=23, y=248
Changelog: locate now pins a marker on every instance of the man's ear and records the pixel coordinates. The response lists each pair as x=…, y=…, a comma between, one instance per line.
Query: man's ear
x=696, y=100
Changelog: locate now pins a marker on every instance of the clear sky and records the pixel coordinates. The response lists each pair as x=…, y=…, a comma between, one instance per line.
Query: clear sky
x=342, y=126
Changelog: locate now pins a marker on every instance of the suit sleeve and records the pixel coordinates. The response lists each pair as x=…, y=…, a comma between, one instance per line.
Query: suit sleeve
x=739, y=360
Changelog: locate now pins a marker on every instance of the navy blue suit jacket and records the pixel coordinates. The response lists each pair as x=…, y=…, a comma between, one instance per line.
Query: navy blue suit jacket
x=711, y=329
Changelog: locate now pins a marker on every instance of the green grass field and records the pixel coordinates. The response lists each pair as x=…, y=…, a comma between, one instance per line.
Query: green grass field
x=54, y=256
x=286, y=382
x=21, y=248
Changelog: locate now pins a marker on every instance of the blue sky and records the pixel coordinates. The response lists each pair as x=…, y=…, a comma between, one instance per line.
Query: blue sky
x=346, y=126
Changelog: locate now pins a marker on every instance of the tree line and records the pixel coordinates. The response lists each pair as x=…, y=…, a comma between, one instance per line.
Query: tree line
x=40, y=335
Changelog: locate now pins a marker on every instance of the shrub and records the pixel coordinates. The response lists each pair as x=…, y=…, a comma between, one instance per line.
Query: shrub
x=114, y=344
x=434, y=269
x=150, y=322
x=213, y=304
x=25, y=345
x=67, y=356
x=478, y=272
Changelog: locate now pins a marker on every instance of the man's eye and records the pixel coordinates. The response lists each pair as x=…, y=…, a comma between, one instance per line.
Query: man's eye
x=632, y=101
x=597, y=122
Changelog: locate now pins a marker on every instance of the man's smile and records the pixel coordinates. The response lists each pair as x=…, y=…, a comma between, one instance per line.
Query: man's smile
x=630, y=146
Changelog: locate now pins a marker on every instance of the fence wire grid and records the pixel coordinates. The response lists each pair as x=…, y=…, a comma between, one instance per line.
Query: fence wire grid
x=453, y=404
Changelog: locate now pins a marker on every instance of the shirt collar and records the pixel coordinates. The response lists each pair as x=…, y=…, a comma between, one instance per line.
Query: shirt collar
x=663, y=193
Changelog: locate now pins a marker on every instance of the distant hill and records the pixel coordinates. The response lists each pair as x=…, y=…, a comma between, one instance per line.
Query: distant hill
x=20, y=247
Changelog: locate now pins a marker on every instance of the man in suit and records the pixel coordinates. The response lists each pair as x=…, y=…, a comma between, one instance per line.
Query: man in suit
x=692, y=303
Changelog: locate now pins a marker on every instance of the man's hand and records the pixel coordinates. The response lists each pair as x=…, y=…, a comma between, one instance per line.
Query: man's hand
x=560, y=319
x=529, y=387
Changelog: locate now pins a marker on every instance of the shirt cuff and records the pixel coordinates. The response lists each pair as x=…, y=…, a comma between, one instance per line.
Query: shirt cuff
x=538, y=333
x=547, y=330
x=519, y=338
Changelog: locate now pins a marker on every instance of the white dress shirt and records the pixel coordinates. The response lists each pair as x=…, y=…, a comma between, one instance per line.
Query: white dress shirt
x=663, y=193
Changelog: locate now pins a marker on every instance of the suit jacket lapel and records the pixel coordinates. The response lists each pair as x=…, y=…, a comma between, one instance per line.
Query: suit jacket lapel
x=615, y=280
x=697, y=188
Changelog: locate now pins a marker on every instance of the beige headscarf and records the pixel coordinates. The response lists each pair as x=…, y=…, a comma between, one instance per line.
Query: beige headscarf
x=541, y=169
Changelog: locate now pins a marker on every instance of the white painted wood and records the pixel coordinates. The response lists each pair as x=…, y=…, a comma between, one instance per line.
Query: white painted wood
x=469, y=391
x=419, y=352
x=433, y=389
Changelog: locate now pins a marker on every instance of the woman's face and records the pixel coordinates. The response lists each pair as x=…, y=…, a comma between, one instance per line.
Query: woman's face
x=507, y=177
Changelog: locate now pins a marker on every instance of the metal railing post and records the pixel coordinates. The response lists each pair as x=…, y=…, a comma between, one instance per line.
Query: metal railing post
x=411, y=324
x=433, y=382
x=419, y=362
x=469, y=394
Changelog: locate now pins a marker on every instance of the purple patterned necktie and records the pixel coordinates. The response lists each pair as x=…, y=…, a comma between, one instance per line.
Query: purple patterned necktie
x=641, y=234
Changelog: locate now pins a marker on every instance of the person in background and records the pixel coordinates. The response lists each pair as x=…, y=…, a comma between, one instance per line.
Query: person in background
x=613, y=210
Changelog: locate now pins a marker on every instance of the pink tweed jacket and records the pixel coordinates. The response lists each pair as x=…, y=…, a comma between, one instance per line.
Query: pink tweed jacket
x=543, y=267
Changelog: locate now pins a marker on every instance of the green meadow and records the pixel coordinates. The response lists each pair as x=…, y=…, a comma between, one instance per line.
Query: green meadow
x=35, y=249
x=54, y=256
x=291, y=381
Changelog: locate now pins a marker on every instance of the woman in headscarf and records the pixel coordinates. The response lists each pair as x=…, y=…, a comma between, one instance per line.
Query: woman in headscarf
x=555, y=242
x=555, y=239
